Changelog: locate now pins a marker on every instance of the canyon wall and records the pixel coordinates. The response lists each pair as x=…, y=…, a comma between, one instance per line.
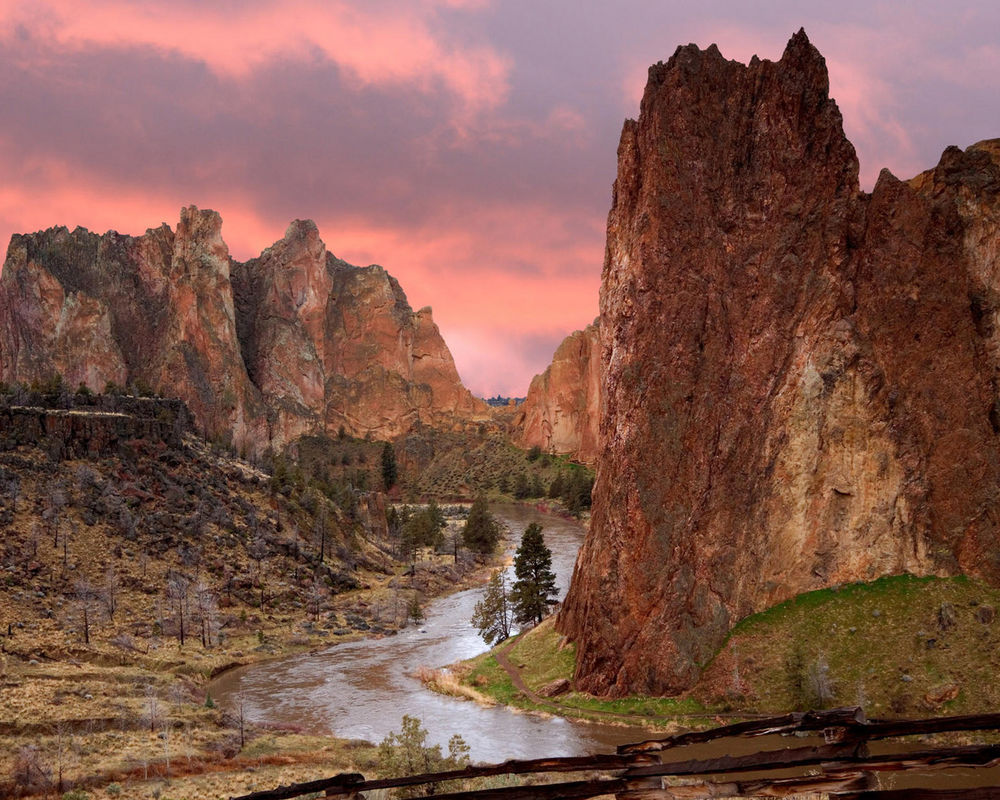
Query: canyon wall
x=294, y=341
x=800, y=381
x=562, y=410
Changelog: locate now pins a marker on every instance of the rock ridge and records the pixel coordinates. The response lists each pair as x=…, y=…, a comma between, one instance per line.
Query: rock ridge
x=561, y=412
x=800, y=380
x=294, y=341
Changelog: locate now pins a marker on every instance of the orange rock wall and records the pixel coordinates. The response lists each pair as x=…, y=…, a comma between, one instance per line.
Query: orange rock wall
x=561, y=413
x=294, y=341
x=800, y=379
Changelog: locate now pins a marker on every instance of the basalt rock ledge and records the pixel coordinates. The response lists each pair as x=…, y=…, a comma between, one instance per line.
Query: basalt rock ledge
x=295, y=341
x=800, y=379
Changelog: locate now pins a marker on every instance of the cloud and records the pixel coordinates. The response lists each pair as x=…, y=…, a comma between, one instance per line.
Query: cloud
x=373, y=43
x=466, y=145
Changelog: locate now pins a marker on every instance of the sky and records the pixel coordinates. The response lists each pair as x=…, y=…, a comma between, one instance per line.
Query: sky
x=468, y=146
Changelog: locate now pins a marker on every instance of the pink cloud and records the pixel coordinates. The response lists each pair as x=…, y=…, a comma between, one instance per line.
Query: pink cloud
x=373, y=47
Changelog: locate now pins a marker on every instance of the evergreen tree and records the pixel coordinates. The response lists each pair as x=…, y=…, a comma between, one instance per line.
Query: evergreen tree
x=535, y=588
x=521, y=487
x=492, y=614
x=390, y=472
x=556, y=487
x=481, y=533
x=537, y=490
x=577, y=490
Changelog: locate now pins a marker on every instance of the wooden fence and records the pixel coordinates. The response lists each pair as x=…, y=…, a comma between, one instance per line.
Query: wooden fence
x=839, y=762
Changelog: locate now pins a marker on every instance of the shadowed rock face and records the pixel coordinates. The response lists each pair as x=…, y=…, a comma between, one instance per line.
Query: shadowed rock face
x=800, y=379
x=291, y=342
x=562, y=410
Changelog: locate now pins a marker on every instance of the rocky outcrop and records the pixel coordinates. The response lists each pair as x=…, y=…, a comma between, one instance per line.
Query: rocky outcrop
x=89, y=427
x=800, y=379
x=562, y=410
x=291, y=342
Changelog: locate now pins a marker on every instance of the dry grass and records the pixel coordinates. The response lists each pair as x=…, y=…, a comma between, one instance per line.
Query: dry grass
x=444, y=681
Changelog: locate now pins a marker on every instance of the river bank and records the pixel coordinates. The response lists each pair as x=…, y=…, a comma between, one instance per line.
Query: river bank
x=125, y=716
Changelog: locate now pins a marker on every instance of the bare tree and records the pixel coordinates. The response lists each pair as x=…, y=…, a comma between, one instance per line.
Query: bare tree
x=152, y=706
x=178, y=589
x=30, y=773
x=317, y=595
x=109, y=592
x=322, y=530
x=258, y=549
x=85, y=596
x=208, y=612
x=241, y=717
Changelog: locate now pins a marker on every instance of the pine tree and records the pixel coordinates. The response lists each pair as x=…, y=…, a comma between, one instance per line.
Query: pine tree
x=535, y=588
x=390, y=472
x=481, y=533
x=492, y=614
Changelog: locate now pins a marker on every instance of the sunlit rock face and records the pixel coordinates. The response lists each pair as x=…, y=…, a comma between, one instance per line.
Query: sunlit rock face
x=294, y=341
x=799, y=379
x=562, y=410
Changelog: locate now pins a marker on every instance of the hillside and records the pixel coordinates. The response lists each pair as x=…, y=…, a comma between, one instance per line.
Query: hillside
x=137, y=560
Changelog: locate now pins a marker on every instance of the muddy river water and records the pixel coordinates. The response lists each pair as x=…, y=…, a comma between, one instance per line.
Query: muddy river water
x=361, y=689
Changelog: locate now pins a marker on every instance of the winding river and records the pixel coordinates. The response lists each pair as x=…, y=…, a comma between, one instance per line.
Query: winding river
x=361, y=689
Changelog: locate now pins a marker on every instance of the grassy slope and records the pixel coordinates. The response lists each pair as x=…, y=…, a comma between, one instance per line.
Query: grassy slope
x=460, y=465
x=898, y=646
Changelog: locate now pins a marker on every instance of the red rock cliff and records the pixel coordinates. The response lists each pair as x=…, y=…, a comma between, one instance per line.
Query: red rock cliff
x=800, y=379
x=562, y=410
x=291, y=342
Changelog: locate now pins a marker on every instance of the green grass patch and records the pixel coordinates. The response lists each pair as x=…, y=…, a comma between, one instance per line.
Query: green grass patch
x=488, y=677
x=900, y=645
x=544, y=654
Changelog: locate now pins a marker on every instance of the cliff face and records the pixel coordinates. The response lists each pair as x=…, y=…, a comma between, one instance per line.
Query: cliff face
x=800, y=380
x=293, y=341
x=562, y=410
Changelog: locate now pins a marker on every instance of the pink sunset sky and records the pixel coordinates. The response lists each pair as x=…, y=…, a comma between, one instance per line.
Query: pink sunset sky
x=468, y=146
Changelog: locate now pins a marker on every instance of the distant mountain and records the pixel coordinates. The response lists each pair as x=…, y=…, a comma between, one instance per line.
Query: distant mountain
x=294, y=341
x=562, y=410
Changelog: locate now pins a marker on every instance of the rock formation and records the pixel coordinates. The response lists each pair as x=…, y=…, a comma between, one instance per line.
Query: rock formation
x=293, y=341
x=562, y=409
x=800, y=379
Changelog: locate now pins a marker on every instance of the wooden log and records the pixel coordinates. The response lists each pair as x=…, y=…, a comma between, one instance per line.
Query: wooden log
x=577, y=790
x=338, y=784
x=885, y=729
x=782, y=787
x=766, y=760
x=341, y=785
x=938, y=758
x=784, y=724
x=976, y=793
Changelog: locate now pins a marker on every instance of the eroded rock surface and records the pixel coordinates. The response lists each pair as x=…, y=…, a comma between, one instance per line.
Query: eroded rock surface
x=561, y=413
x=800, y=379
x=294, y=341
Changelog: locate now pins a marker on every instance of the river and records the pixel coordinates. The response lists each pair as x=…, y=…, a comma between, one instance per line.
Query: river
x=361, y=689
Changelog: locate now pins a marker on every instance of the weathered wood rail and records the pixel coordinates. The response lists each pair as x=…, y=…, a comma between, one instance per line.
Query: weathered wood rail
x=841, y=766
